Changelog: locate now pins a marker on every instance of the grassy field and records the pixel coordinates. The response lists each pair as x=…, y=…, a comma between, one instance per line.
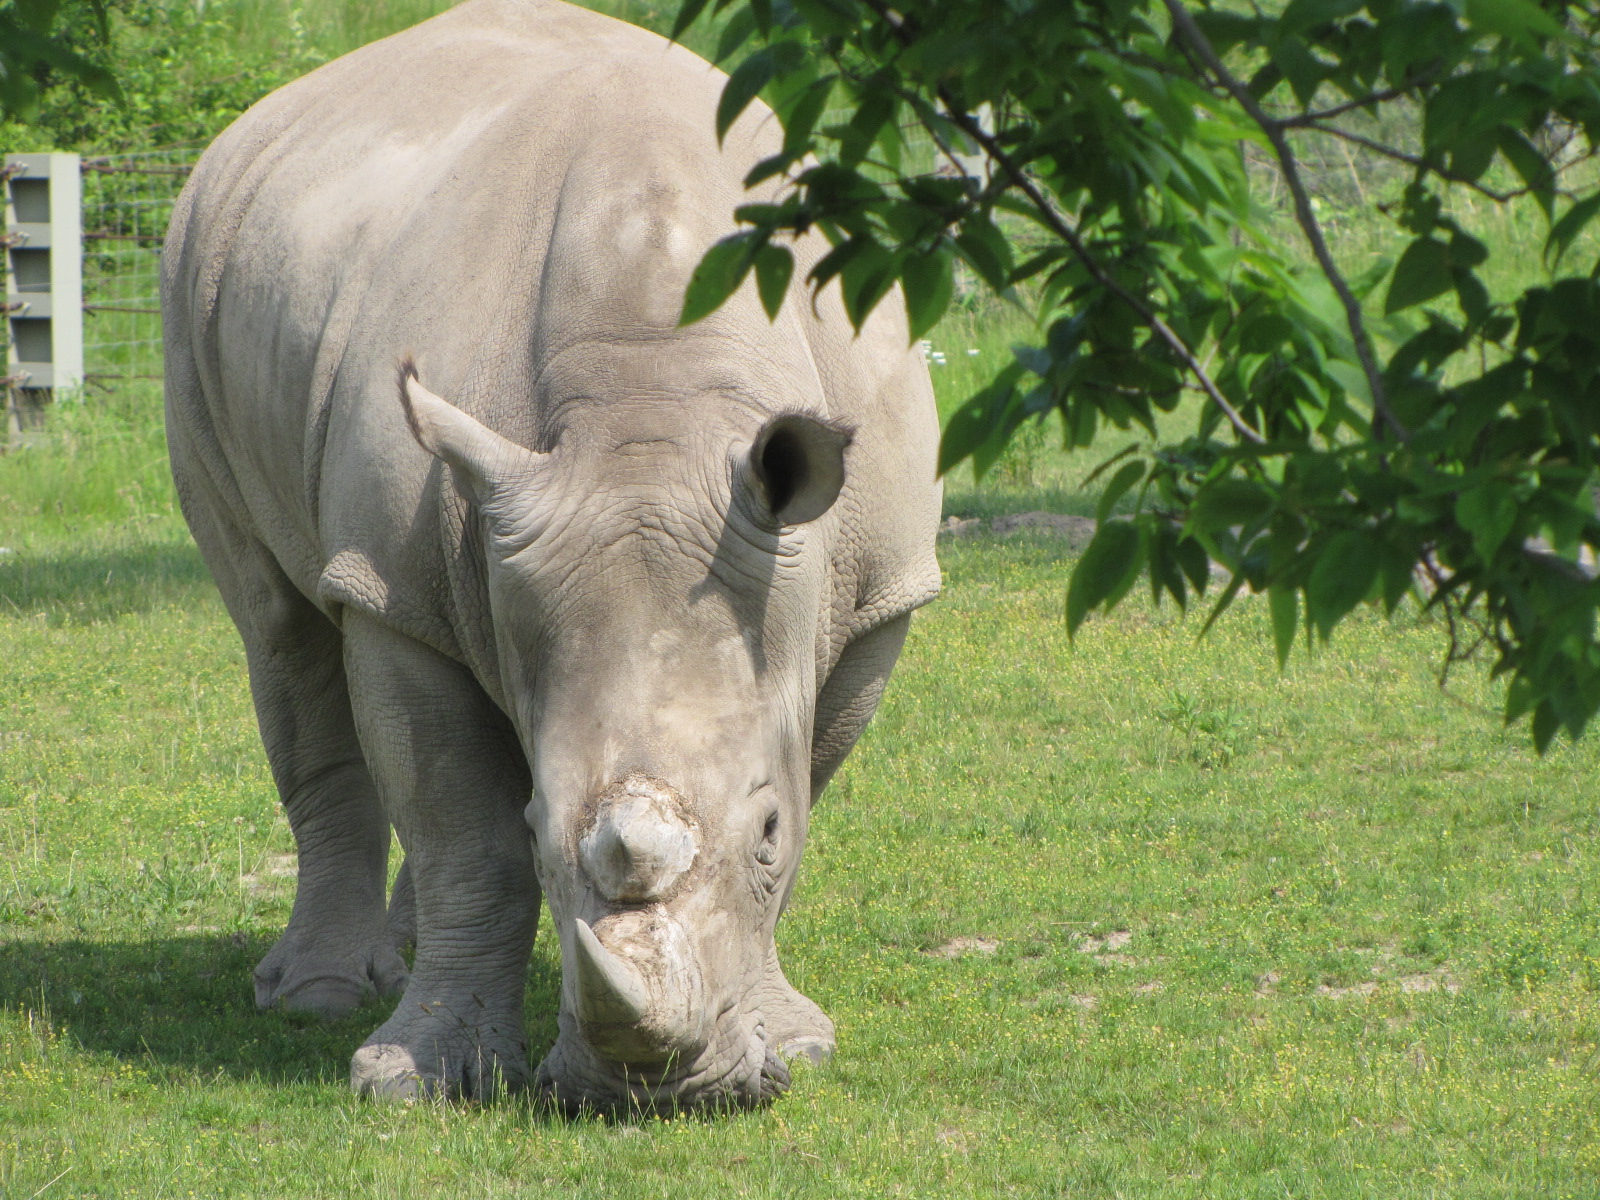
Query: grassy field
x=1136, y=917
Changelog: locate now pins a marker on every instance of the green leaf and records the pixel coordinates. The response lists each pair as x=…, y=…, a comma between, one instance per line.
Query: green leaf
x=1196, y=565
x=1302, y=15
x=1546, y=724
x=973, y=423
x=1108, y=567
x=1398, y=569
x=749, y=77
x=38, y=15
x=1235, y=582
x=1565, y=231
x=874, y=110
x=801, y=117
x=1516, y=20
x=1487, y=512
x=1223, y=503
x=774, y=267
x=1345, y=571
x=1106, y=464
x=986, y=250
x=865, y=278
x=928, y=282
x=762, y=11
x=1532, y=166
x=1129, y=474
x=688, y=13
x=718, y=276
x=740, y=28
x=1422, y=273
x=1284, y=603
x=1224, y=30
x=1165, y=574
x=1304, y=71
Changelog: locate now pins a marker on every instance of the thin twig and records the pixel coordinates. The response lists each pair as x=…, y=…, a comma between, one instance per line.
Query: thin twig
x=1412, y=160
x=1183, y=20
x=1338, y=110
x=51, y=1184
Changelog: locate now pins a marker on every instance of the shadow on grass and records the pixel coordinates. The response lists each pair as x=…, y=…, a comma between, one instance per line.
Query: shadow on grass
x=80, y=586
x=962, y=499
x=187, y=1005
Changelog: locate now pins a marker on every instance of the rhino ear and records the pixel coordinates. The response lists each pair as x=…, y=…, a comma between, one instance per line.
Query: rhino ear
x=487, y=467
x=799, y=461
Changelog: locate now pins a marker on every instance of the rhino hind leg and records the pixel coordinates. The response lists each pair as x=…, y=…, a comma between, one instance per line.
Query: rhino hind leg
x=336, y=952
x=453, y=777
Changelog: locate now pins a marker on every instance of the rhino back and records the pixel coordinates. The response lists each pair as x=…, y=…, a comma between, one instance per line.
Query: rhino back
x=515, y=192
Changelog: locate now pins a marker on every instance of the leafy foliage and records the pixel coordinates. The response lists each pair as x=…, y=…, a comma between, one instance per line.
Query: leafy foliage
x=183, y=71
x=32, y=48
x=1444, y=444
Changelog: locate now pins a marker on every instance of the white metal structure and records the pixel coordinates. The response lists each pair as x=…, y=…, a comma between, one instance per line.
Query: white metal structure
x=44, y=274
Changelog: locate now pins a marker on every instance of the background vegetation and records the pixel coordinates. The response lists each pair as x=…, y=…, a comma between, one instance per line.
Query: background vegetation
x=1102, y=164
x=1141, y=916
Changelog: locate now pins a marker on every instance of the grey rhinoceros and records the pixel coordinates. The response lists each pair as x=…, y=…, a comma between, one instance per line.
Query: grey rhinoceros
x=633, y=589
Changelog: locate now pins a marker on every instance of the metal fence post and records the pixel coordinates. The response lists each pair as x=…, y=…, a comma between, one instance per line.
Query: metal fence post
x=44, y=284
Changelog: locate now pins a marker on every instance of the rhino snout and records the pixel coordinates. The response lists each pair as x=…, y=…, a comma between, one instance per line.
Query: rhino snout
x=641, y=843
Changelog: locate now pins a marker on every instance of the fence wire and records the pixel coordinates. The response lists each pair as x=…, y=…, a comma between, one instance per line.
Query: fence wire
x=127, y=200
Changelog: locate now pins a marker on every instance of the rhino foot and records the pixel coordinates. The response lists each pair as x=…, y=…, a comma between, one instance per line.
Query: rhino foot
x=431, y=1052
x=798, y=1028
x=326, y=980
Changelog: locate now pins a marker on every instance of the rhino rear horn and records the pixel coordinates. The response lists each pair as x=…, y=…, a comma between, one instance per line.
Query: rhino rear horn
x=485, y=465
x=799, y=461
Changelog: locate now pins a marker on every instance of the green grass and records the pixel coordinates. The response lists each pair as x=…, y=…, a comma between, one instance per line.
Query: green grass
x=1136, y=917
x=1361, y=953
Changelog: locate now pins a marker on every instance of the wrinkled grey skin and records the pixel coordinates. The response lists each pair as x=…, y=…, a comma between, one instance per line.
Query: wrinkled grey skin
x=631, y=588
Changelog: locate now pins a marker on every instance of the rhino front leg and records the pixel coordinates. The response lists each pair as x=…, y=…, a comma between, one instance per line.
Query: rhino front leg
x=403, y=909
x=337, y=950
x=455, y=782
x=845, y=703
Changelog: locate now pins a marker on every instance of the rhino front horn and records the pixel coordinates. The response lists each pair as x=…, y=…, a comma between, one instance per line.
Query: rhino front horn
x=610, y=993
x=643, y=1005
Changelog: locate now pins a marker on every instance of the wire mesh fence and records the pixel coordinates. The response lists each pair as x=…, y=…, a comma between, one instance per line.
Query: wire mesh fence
x=127, y=200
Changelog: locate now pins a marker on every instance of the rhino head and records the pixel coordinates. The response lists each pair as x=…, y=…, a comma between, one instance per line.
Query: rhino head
x=655, y=596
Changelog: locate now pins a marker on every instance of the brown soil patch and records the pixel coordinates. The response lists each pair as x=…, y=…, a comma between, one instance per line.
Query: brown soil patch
x=958, y=946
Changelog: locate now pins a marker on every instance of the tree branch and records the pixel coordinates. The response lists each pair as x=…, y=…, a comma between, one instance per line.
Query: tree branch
x=1184, y=22
x=1057, y=223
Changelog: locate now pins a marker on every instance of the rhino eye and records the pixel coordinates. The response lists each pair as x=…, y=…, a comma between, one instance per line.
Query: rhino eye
x=767, y=852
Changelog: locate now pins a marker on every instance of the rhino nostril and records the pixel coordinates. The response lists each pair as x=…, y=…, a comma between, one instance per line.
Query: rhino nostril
x=641, y=842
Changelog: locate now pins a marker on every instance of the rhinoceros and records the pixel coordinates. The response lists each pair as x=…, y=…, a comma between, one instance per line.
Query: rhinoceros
x=600, y=625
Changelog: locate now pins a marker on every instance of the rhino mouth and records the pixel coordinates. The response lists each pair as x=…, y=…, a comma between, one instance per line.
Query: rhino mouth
x=739, y=1070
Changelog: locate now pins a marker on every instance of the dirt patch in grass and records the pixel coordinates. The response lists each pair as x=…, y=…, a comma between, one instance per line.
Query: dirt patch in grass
x=958, y=946
x=1111, y=943
x=272, y=873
